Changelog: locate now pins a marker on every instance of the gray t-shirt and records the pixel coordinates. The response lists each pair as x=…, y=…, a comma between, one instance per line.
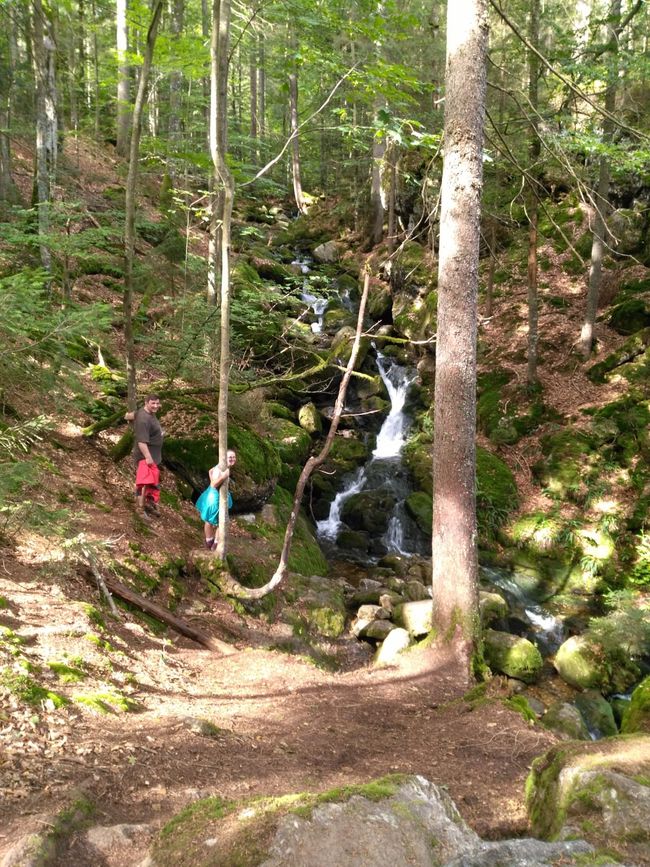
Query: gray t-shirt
x=147, y=429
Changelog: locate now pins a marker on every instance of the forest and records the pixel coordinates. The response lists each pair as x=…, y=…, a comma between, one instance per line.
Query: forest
x=372, y=280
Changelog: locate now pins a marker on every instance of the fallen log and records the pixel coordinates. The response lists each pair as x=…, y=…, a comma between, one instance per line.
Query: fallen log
x=118, y=589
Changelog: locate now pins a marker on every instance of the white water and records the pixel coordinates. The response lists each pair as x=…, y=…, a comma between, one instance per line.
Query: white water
x=390, y=441
x=392, y=436
x=318, y=305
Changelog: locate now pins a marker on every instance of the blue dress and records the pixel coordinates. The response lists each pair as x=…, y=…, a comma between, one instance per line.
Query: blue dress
x=208, y=505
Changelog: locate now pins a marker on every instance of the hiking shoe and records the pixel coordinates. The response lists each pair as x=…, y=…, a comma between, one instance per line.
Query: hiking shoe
x=152, y=510
x=209, y=544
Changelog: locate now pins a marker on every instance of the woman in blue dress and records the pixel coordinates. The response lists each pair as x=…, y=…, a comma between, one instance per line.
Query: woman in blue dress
x=208, y=503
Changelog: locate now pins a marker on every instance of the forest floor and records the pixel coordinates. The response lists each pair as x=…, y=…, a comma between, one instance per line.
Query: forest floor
x=278, y=723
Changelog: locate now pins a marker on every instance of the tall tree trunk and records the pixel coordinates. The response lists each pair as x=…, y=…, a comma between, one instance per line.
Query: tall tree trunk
x=534, y=151
x=253, y=79
x=261, y=87
x=601, y=196
x=123, y=90
x=8, y=190
x=130, y=206
x=175, y=82
x=96, y=74
x=293, y=117
x=391, y=159
x=219, y=65
x=223, y=185
x=376, y=202
x=44, y=53
x=455, y=561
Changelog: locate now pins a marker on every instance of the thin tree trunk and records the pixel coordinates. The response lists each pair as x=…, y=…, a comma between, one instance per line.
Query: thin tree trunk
x=223, y=186
x=534, y=151
x=96, y=74
x=123, y=90
x=293, y=117
x=261, y=87
x=44, y=53
x=175, y=83
x=455, y=561
x=376, y=203
x=391, y=158
x=8, y=190
x=253, y=78
x=130, y=206
x=489, y=291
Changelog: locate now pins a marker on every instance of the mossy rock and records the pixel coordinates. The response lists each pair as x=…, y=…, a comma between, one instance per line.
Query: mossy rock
x=512, y=655
x=594, y=790
x=564, y=717
x=630, y=316
x=293, y=445
x=492, y=606
x=584, y=663
x=341, y=347
x=569, y=457
x=270, y=269
x=309, y=419
x=368, y=511
x=380, y=301
x=499, y=415
x=597, y=714
x=637, y=716
x=254, y=477
x=420, y=507
x=353, y=542
x=346, y=455
x=633, y=347
x=336, y=318
x=415, y=317
x=496, y=492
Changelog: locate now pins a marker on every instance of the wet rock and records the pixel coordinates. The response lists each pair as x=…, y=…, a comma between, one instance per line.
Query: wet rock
x=512, y=655
x=636, y=717
x=597, y=714
x=578, y=662
x=396, y=642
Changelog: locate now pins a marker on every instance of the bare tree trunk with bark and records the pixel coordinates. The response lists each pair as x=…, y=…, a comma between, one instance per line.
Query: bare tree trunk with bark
x=44, y=58
x=455, y=560
x=293, y=117
x=123, y=89
x=534, y=151
x=130, y=206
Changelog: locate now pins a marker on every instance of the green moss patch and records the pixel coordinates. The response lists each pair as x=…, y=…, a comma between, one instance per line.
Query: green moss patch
x=246, y=828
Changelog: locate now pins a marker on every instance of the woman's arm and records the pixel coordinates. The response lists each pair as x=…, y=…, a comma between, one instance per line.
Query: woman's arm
x=218, y=477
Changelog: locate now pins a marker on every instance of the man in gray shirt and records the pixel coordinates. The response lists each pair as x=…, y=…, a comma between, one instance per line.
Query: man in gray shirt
x=147, y=446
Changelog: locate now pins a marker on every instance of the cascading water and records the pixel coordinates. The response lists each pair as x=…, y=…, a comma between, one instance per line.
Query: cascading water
x=546, y=630
x=318, y=305
x=384, y=472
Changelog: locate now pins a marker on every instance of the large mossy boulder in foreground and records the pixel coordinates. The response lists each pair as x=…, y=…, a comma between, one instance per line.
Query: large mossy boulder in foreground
x=596, y=790
x=637, y=716
x=512, y=655
x=253, y=478
x=397, y=821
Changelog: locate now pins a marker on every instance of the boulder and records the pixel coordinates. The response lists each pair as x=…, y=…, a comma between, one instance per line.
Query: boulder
x=492, y=606
x=309, y=419
x=580, y=664
x=636, y=717
x=594, y=790
x=512, y=655
x=377, y=630
x=369, y=511
x=327, y=253
x=415, y=617
x=416, y=591
x=372, y=612
x=396, y=642
x=597, y=714
x=565, y=718
x=399, y=821
x=420, y=507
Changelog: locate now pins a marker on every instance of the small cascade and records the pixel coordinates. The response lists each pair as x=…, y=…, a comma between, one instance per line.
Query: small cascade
x=318, y=305
x=384, y=472
x=546, y=630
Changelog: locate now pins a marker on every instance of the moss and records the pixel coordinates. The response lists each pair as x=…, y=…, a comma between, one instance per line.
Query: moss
x=3, y=603
x=569, y=459
x=630, y=316
x=27, y=690
x=93, y=614
x=420, y=507
x=496, y=493
x=637, y=716
x=520, y=704
x=106, y=702
x=66, y=673
x=245, y=828
x=327, y=620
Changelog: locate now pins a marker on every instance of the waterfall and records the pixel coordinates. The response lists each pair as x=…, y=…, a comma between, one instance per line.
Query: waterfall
x=318, y=305
x=384, y=470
